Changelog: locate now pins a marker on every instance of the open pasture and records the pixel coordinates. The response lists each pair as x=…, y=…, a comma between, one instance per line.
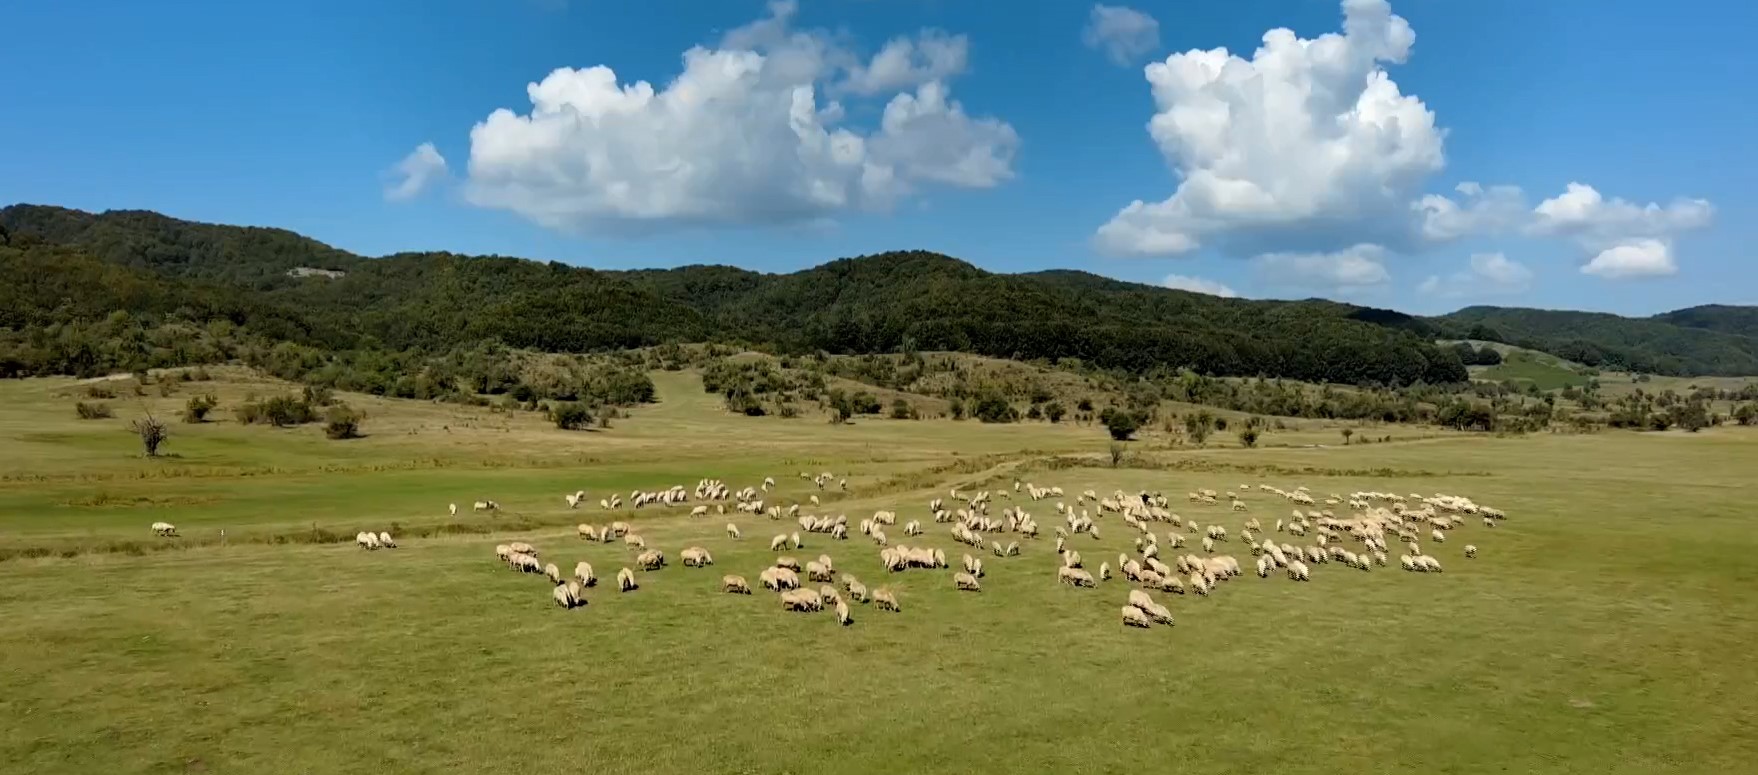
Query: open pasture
x=1603, y=627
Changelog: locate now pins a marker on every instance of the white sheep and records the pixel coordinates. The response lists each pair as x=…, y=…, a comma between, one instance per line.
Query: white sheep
x=583, y=574
x=626, y=580
x=1133, y=617
x=164, y=529
x=554, y=574
x=384, y=540
x=778, y=543
x=965, y=582
x=1470, y=551
x=735, y=585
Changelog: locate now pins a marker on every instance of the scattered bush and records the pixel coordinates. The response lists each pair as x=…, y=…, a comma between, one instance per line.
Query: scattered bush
x=93, y=411
x=152, y=434
x=1121, y=425
x=342, y=422
x=570, y=415
x=196, y=409
x=992, y=408
x=901, y=410
x=280, y=411
x=1117, y=453
x=1248, y=437
x=99, y=390
x=1054, y=412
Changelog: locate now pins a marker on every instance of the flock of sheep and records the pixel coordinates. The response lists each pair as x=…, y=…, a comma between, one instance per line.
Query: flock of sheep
x=1189, y=557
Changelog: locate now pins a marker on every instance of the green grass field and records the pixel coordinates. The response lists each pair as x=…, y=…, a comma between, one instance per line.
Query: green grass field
x=1603, y=628
x=1545, y=371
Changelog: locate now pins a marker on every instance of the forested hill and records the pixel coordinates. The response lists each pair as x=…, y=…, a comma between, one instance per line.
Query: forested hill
x=1663, y=344
x=69, y=267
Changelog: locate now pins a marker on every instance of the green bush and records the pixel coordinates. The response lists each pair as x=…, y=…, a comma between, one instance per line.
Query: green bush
x=992, y=408
x=1054, y=412
x=196, y=409
x=342, y=422
x=1248, y=437
x=1121, y=425
x=92, y=411
x=99, y=390
x=901, y=410
x=570, y=416
x=152, y=434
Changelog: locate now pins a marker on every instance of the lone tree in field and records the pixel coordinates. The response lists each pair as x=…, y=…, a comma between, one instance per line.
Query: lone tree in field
x=1121, y=425
x=1347, y=432
x=152, y=434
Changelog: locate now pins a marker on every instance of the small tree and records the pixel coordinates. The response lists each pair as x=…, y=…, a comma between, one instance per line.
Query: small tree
x=152, y=434
x=1347, y=432
x=1117, y=451
x=342, y=422
x=196, y=409
x=1197, y=426
x=1747, y=414
x=1054, y=412
x=570, y=415
x=992, y=408
x=900, y=410
x=1248, y=437
x=841, y=407
x=957, y=409
x=1121, y=425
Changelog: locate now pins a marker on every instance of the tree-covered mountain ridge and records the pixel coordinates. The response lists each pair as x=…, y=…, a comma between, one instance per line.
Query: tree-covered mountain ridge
x=66, y=266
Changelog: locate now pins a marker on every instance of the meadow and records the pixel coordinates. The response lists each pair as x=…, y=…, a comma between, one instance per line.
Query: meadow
x=1604, y=627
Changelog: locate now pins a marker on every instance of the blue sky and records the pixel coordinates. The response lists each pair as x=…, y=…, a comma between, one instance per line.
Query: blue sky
x=794, y=134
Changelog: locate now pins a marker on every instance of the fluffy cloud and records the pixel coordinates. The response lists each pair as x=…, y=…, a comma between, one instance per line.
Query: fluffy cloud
x=1494, y=210
x=423, y=167
x=1636, y=258
x=1124, y=34
x=1354, y=268
x=1488, y=274
x=1198, y=285
x=741, y=136
x=1308, y=143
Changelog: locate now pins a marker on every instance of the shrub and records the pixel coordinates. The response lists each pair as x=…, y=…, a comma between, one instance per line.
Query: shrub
x=1747, y=414
x=280, y=411
x=1034, y=413
x=1085, y=405
x=957, y=409
x=196, y=409
x=1054, y=412
x=92, y=411
x=97, y=390
x=1121, y=425
x=318, y=395
x=1220, y=423
x=342, y=422
x=152, y=434
x=901, y=410
x=570, y=415
x=1117, y=452
x=1248, y=437
x=992, y=408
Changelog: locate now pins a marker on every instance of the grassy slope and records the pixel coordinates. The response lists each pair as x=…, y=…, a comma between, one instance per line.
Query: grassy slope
x=1599, y=631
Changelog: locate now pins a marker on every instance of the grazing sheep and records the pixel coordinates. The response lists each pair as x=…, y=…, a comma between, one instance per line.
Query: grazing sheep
x=502, y=552
x=1438, y=536
x=794, y=539
x=1074, y=577
x=586, y=531
x=1071, y=559
x=886, y=600
x=384, y=540
x=695, y=557
x=965, y=582
x=732, y=531
x=634, y=541
x=366, y=540
x=788, y=563
x=816, y=571
x=651, y=559
x=734, y=585
x=554, y=574
x=1012, y=549
x=563, y=598
x=778, y=543
x=1470, y=551
x=1133, y=617
x=454, y=509
x=842, y=614
x=1297, y=571
x=856, y=590
x=1104, y=571
x=164, y=529
x=626, y=580
x=583, y=573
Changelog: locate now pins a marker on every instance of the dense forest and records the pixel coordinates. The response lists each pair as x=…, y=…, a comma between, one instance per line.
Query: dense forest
x=84, y=293
x=1689, y=342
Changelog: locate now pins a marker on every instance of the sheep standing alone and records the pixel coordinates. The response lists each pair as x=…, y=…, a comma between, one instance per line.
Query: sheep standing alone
x=554, y=574
x=965, y=582
x=842, y=614
x=732, y=531
x=583, y=573
x=735, y=585
x=651, y=559
x=626, y=580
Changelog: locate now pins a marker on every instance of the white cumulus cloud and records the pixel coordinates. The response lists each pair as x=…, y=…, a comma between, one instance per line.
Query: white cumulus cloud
x=1198, y=285
x=1488, y=274
x=1353, y=268
x=1492, y=210
x=1636, y=258
x=423, y=167
x=743, y=135
x=1124, y=34
x=1307, y=143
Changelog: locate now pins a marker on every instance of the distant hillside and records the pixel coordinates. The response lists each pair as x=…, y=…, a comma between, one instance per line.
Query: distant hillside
x=1739, y=321
x=67, y=267
x=1653, y=345
x=882, y=303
